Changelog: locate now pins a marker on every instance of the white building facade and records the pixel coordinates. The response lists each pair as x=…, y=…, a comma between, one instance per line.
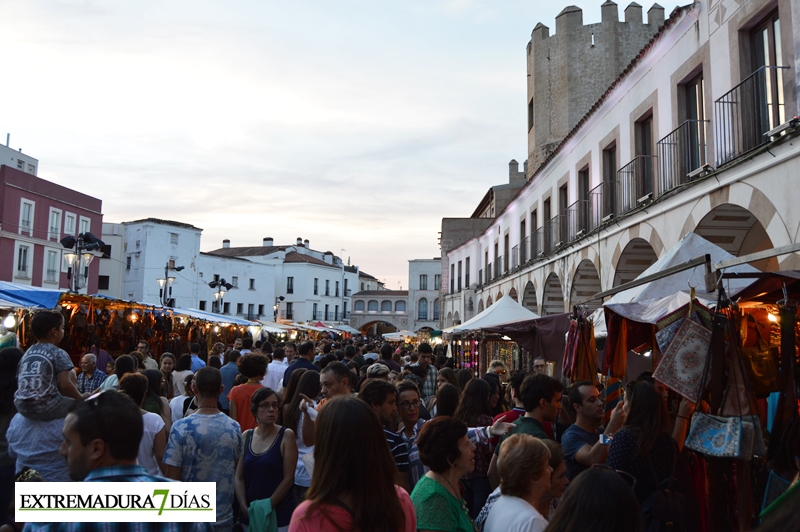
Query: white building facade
x=630, y=180
x=424, y=280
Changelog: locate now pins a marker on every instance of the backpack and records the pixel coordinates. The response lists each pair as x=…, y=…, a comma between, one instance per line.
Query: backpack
x=665, y=509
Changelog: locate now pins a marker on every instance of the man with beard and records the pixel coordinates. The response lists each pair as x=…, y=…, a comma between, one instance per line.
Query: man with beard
x=582, y=444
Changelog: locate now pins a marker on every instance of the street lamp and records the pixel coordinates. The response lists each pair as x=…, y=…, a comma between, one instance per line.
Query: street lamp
x=78, y=258
x=165, y=284
x=221, y=286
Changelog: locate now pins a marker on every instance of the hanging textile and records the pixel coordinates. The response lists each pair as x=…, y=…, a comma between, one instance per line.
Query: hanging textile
x=612, y=394
x=616, y=359
x=580, y=354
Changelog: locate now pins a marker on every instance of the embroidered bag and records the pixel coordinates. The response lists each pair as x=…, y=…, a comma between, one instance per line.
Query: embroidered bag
x=716, y=436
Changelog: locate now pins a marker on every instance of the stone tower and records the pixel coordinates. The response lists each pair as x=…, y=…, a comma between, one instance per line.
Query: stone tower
x=570, y=70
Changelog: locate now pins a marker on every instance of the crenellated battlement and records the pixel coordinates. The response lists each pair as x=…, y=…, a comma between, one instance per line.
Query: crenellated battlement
x=569, y=70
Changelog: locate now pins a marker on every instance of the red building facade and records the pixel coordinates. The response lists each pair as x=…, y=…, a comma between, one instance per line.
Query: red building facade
x=35, y=215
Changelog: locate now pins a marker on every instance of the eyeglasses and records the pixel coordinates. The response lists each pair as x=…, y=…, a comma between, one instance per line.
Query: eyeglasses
x=269, y=406
x=629, y=479
x=405, y=405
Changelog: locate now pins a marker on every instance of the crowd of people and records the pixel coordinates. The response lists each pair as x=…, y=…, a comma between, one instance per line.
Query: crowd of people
x=325, y=436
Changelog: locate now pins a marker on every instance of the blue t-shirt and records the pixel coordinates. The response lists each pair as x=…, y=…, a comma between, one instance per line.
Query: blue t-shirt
x=572, y=441
x=206, y=449
x=299, y=363
x=229, y=372
x=197, y=363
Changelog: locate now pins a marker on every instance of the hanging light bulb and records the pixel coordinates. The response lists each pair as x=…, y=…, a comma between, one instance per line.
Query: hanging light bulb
x=9, y=321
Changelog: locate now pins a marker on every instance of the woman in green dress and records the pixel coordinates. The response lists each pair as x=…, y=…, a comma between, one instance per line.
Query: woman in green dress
x=443, y=447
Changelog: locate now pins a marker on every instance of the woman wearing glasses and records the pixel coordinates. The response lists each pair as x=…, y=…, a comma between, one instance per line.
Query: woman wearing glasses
x=267, y=468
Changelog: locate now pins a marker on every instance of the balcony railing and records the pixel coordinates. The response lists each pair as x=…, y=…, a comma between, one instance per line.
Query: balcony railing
x=525, y=250
x=552, y=235
x=480, y=277
x=316, y=315
x=252, y=316
x=537, y=243
x=498, y=267
x=636, y=180
x=287, y=314
x=576, y=220
x=489, y=270
x=747, y=111
x=602, y=203
x=681, y=152
x=515, y=257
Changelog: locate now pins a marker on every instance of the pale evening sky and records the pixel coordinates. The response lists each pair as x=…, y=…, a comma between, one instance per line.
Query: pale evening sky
x=355, y=124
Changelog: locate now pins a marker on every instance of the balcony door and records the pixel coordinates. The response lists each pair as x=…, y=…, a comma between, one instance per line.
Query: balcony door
x=766, y=42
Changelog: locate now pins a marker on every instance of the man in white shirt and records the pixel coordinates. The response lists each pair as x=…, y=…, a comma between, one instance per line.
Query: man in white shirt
x=275, y=370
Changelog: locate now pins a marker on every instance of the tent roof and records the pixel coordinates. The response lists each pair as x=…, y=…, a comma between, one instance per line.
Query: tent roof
x=504, y=311
x=29, y=296
x=348, y=329
x=690, y=247
x=214, y=318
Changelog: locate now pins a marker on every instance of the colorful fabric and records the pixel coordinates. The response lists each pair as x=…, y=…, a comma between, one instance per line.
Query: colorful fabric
x=683, y=366
x=612, y=394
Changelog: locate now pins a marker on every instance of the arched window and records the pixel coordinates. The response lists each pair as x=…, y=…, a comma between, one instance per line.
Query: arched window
x=422, y=312
x=400, y=306
x=386, y=306
x=436, y=309
x=359, y=305
x=372, y=306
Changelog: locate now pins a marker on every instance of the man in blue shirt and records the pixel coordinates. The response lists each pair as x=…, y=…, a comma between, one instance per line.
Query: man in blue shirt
x=229, y=372
x=197, y=362
x=305, y=359
x=581, y=441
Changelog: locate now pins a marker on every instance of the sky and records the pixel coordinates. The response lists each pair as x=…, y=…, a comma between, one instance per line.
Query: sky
x=357, y=125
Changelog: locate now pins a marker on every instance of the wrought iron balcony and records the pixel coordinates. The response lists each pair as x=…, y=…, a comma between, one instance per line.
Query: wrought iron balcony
x=537, y=243
x=515, y=257
x=680, y=153
x=636, y=180
x=747, y=111
x=602, y=203
x=575, y=221
x=552, y=235
x=525, y=250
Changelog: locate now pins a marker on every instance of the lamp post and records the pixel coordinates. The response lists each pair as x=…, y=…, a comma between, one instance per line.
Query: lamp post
x=221, y=287
x=165, y=284
x=79, y=258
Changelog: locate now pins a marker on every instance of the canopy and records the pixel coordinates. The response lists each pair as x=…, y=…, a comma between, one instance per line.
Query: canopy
x=399, y=336
x=657, y=296
x=210, y=316
x=348, y=329
x=272, y=327
x=504, y=311
x=308, y=327
x=690, y=247
x=20, y=295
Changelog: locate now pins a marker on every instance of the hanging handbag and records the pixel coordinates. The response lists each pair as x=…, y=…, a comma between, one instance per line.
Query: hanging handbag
x=761, y=362
x=683, y=366
x=716, y=436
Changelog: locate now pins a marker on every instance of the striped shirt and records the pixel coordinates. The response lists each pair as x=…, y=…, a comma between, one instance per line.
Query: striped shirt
x=399, y=450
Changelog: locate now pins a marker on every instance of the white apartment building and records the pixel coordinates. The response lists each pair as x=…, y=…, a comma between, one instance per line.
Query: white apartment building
x=152, y=249
x=17, y=159
x=310, y=285
x=112, y=261
x=424, y=280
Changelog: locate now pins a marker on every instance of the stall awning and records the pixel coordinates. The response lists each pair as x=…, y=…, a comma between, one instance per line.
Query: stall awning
x=28, y=296
x=308, y=327
x=275, y=328
x=214, y=318
x=348, y=329
x=504, y=311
